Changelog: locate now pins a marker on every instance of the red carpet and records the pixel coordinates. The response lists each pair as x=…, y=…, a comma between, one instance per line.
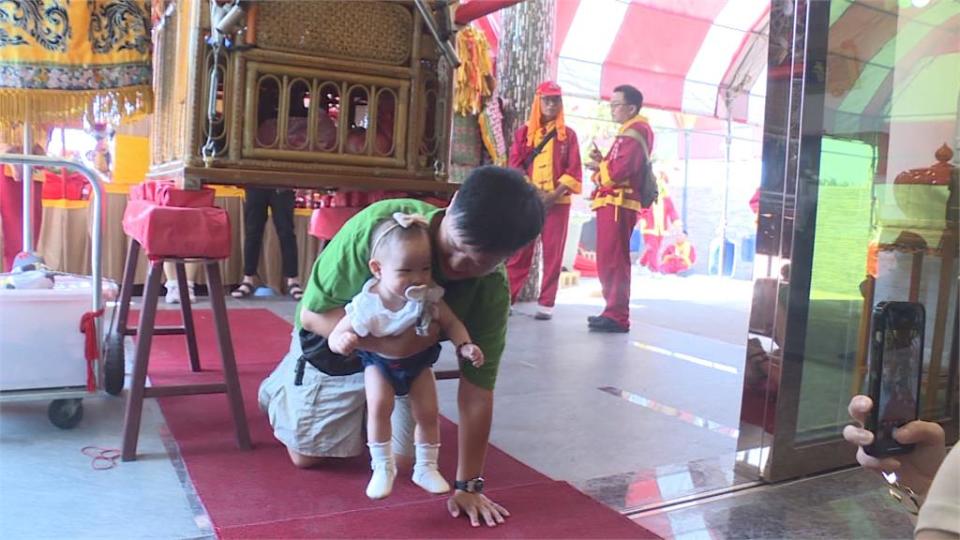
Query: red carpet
x=260, y=494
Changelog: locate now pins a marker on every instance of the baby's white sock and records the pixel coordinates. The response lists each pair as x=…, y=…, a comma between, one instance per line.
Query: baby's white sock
x=425, y=473
x=384, y=470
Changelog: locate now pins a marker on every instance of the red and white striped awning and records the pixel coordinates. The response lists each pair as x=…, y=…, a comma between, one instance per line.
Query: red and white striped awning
x=682, y=54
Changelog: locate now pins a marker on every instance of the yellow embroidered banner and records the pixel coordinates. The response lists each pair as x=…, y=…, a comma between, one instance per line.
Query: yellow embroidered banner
x=60, y=59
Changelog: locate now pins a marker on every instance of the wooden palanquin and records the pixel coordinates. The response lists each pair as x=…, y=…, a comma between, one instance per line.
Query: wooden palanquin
x=312, y=94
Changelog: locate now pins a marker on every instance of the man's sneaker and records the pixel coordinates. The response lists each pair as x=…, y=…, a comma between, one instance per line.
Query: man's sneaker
x=608, y=325
x=544, y=313
x=593, y=319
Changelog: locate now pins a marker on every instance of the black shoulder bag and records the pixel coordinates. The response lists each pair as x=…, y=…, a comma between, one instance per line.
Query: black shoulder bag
x=538, y=149
x=649, y=193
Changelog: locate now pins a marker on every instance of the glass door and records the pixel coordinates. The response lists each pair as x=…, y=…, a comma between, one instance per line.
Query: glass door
x=858, y=204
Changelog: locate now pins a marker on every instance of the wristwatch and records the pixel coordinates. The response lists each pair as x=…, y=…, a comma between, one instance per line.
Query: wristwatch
x=470, y=486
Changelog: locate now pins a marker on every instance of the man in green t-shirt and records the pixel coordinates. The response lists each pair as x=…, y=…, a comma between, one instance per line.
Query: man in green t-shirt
x=494, y=213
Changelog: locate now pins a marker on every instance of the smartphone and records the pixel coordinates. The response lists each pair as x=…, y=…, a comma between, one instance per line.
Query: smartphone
x=895, y=367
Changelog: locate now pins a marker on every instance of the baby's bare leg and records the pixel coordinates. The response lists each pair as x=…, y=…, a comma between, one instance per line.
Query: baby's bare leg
x=423, y=404
x=379, y=404
x=423, y=401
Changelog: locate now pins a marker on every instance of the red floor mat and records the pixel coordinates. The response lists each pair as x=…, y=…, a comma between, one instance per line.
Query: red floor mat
x=542, y=510
x=259, y=493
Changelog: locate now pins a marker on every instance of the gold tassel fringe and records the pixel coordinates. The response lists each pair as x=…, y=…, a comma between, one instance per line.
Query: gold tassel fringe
x=65, y=107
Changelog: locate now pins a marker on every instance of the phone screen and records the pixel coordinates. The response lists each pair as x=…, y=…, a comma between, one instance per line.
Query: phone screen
x=900, y=377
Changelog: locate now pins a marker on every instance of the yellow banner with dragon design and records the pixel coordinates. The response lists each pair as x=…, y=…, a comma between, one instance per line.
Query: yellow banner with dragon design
x=60, y=59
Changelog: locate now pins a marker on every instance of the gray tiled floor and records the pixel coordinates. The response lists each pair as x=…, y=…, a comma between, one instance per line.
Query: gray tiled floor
x=846, y=504
x=597, y=410
x=552, y=372
x=48, y=488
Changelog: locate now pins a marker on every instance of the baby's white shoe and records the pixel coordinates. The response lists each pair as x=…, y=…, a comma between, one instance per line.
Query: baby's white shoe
x=384, y=470
x=173, y=292
x=425, y=473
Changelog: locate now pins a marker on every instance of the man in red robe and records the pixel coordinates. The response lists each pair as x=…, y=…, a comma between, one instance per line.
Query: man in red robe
x=549, y=155
x=679, y=257
x=655, y=223
x=616, y=200
x=11, y=206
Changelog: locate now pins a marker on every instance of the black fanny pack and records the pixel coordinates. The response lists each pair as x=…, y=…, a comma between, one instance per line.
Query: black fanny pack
x=317, y=353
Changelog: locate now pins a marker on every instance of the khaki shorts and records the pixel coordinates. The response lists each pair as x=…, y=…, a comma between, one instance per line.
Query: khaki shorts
x=324, y=417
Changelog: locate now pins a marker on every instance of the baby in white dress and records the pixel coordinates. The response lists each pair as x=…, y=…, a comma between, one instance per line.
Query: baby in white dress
x=401, y=294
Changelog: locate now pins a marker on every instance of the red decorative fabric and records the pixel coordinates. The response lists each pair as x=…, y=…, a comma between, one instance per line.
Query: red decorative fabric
x=11, y=216
x=325, y=222
x=63, y=185
x=474, y=9
x=88, y=327
x=339, y=207
x=167, y=194
x=585, y=262
x=169, y=231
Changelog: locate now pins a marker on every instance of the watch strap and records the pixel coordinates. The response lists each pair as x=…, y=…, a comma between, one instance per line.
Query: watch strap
x=474, y=485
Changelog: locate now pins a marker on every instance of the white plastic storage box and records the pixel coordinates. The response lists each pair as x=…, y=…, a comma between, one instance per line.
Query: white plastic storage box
x=41, y=345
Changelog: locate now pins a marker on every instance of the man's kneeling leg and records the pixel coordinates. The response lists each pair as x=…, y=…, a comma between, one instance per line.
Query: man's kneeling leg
x=403, y=428
x=319, y=418
x=304, y=462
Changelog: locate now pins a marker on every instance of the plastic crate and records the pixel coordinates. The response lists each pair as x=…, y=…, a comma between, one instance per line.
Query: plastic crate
x=41, y=346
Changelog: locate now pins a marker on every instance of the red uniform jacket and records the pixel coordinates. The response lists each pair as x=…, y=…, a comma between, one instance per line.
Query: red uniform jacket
x=620, y=170
x=567, y=169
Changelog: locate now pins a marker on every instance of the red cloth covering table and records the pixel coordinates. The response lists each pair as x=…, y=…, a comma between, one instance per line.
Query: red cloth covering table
x=325, y=222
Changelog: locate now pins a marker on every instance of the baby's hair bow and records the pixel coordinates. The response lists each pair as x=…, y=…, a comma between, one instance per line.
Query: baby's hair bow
x=400, y=220
x=406, y=220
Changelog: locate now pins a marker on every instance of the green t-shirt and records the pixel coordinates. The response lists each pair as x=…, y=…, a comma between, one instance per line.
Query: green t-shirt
x=342, y=268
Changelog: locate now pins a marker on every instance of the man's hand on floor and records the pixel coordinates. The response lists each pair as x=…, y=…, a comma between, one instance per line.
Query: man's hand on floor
x=476, y=505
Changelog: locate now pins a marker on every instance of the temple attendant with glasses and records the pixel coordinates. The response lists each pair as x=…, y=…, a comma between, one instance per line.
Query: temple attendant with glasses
x=618, y=177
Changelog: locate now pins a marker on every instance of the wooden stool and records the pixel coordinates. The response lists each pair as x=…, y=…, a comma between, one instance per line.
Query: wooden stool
x=146, y=330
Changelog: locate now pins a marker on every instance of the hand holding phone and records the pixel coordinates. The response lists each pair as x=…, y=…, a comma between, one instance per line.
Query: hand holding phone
x=915, y=469
x=895, y=362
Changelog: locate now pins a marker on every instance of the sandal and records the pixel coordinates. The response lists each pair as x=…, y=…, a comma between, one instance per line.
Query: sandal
x=295, y=291
x=243, y=290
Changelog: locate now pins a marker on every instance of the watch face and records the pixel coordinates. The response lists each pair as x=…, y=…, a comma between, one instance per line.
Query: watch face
x=474, y=485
